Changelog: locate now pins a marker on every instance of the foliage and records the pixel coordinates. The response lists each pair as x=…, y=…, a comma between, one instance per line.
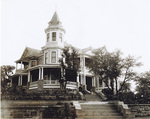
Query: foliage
x=6, y=73
x=70, y=64
x=143, y=87
x=127, y=97
x=112, y=66
x=108, y=93
x=126, y=87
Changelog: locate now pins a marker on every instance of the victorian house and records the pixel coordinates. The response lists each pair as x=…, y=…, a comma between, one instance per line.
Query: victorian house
x=41, y=69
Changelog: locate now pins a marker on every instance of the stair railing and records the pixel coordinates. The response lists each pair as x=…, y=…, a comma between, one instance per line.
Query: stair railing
x=124, y=109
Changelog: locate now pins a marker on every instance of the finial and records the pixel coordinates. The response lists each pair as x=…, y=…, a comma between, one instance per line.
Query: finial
x=55, y=7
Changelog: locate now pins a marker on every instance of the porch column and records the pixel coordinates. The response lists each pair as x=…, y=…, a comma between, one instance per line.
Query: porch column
x=29, y=76
x=97, y=82
x=39, y=73
x=84, y=79
x=42, y=73
x=78, y=80
x=21, y=80
x=93, y=81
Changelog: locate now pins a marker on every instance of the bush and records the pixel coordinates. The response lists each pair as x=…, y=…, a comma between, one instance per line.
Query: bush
x=127, y=98
x=108, y=93
x=142, y=99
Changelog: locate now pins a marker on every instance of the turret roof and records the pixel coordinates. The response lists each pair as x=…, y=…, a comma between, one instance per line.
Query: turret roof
x=55, y=19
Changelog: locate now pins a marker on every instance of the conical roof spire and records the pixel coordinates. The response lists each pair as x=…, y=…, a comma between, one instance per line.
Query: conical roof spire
x=55, y=19
x=55, y=23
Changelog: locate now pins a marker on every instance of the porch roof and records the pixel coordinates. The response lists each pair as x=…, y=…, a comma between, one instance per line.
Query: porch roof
x=18, y=74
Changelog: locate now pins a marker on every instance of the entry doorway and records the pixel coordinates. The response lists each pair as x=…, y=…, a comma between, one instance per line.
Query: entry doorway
x=89, y=83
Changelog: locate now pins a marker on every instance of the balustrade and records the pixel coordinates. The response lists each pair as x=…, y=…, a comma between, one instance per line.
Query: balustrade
x=53, y=82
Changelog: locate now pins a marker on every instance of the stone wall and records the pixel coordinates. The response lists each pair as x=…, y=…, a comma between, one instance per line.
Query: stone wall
x=141, y=110
x=37, y=109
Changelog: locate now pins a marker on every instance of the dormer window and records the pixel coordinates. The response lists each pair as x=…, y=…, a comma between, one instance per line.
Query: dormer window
x=60, y=36
x=48, y=37
x=53, y=36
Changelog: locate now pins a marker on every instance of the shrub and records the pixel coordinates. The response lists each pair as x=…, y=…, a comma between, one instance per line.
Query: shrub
x=108, y=93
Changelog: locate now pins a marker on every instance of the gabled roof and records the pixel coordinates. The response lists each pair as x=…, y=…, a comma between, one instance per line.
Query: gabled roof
x=29, y=53
x=86, y=49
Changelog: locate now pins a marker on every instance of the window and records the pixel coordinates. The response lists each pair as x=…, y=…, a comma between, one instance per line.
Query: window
x=33, y=63
x=53, y=57
x=46, y=58
x=48, y=37
x=60, y=36
x=53, y=36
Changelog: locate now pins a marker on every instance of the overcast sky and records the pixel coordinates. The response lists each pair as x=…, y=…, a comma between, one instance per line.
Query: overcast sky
x=117, y=24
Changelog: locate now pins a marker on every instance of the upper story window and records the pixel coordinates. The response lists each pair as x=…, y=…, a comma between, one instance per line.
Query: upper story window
x=46, y=58
x=33, y=63
x=53, y=36
x=60, y=36
x=53, y=57
x=48, y=37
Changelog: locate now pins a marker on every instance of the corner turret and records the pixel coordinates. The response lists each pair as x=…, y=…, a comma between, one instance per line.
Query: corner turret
x=54, y=33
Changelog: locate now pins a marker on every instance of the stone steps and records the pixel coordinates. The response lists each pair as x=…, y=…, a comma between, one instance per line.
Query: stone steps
x=97, y=111
x=100, y=117
x=92, y=97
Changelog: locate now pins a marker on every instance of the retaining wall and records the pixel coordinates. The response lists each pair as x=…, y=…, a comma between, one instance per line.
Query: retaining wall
x=37, y=109
x=141, y=110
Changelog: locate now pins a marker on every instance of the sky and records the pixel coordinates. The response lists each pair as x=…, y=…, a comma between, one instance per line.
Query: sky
x=116, y=24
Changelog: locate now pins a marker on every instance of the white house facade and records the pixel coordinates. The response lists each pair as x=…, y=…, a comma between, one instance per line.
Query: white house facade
x=41, y=69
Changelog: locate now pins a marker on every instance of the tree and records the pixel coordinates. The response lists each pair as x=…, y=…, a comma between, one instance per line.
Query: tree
x=6, y=73
x=111, y=66
x=126, y=87
x=69, y=64
x=143, y=87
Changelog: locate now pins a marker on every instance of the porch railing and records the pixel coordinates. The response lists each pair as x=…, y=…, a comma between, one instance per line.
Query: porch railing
x=33, y=85
x=71, y=85
x=52, y=82
x=41, y=84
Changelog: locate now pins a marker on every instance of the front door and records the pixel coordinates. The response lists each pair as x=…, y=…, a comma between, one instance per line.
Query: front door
x=89, y=83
